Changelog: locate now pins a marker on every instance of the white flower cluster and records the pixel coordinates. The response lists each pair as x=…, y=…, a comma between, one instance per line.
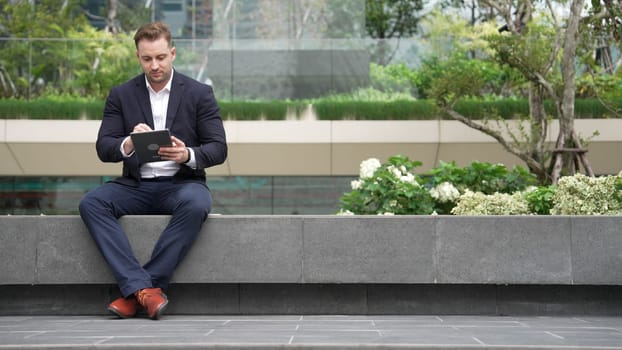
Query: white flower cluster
x=477, y=203
x=344, y=212
x=369, y=167
x=445, y=192
x=402, y=174
x=585, y=195
x=356, y=184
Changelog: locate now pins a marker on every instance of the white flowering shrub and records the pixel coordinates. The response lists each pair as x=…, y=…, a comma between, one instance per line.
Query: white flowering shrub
x=584, y=195
x=445, y=192
x=394, y=188
x=478, y=203
x=387, y=189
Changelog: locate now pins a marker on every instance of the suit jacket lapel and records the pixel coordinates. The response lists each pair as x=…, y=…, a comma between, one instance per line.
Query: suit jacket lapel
x=174, y=99
x=142, y=96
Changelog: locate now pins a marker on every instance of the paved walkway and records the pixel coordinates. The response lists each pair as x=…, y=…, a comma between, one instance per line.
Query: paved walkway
x=310, y=332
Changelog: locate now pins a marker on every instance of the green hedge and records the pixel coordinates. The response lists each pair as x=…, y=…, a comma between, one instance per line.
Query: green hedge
x=82, y=108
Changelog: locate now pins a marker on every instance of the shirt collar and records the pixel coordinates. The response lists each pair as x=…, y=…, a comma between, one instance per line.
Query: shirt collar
x=167, y=87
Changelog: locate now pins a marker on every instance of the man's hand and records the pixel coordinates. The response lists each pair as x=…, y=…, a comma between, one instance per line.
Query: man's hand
x=177, y=152
x=128, y=145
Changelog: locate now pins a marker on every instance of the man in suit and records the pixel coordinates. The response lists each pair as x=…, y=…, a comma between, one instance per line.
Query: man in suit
x=158, y=99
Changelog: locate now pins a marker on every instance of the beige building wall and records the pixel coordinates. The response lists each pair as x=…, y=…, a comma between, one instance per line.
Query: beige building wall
x=290, y=148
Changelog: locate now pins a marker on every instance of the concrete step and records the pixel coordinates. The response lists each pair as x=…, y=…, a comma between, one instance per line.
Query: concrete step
x=311, y=332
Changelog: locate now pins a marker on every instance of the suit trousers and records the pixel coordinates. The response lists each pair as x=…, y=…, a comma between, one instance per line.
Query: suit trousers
x=188, y=203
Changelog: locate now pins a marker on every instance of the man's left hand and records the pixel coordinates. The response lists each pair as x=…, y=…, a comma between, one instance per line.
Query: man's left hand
x=177, y=152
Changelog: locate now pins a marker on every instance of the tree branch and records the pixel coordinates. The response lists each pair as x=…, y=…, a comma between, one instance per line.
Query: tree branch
x=532, y=163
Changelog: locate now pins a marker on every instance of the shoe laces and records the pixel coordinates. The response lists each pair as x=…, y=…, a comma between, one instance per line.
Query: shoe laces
x=146, y=293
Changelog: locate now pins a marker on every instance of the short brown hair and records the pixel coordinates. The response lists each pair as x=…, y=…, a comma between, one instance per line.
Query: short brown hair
x=153, y=31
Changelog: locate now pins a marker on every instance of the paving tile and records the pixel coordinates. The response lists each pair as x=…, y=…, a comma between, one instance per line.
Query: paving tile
x=312, y=332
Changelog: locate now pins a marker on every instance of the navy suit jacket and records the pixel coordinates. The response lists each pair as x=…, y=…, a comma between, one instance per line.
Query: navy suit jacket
x=193, y=116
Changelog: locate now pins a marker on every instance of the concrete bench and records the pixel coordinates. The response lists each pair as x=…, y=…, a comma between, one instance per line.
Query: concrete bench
x=333, y=264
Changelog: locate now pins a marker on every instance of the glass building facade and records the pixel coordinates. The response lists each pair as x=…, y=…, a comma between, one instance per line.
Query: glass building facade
x=232, y=195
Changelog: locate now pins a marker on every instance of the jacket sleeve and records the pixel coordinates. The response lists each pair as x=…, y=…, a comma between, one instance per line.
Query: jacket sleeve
x=212, y=149
x=112, y=130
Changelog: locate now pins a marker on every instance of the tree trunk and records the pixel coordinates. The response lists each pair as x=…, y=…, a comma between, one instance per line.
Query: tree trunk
x=112, y=17
x=538, y=132
x=568, y=150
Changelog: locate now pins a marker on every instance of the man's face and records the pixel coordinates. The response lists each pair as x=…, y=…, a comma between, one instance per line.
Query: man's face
x=156, y=59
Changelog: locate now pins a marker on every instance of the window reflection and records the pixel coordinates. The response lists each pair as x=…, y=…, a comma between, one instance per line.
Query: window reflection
x=233, y=195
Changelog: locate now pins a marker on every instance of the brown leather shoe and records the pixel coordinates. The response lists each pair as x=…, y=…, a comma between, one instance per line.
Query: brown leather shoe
x=124, y=308
x=153, y=300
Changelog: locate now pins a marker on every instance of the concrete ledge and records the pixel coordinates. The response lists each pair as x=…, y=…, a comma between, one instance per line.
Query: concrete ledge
x=497, y=265
x=551, y=250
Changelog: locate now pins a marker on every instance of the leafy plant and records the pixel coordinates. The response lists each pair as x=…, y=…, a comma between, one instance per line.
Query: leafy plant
x=395, y=188
x=388, y=189
x=584, y=195
x=482, y=177
x=540, y=199
x=477, y=203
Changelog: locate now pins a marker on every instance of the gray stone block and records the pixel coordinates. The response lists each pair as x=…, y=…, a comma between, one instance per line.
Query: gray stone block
x=412, y=299
x=559, y=300
x=197, y=299
x=348, y=249
x=143, y=232
x=300, y=299
x=55, y=299
x=332, y=249
x=504, y=249
x=66, y=253
x=19, y=248
x=251, y=249
x=596, y=250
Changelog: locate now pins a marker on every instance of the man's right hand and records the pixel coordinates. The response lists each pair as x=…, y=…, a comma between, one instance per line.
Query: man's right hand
x=128, y=145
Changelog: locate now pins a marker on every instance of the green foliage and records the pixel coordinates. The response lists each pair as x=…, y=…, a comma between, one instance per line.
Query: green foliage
x=391, y=18
x=529, y=52
x=540, y=199
x=460, y=77
x=272, y=110
x=392, y=78
x=390, y=188
x=326, y=109
x=477, y=203
x=583, y=195
x=31, y=65
x=482, y=177
x=364, y=110
x=39, y=19
x=393, y=188
x=52, y=107
x=101, y=62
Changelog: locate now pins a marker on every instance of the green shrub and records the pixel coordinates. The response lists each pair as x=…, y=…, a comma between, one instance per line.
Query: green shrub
x=68, y=106
x=584, y=195
x=52, y=107
x=387, y=189
x=395, y=188
x=477, y=203
x=540, y=199
x=365, y=110
x=482, y=177
x=392, y=78
x=258, y=110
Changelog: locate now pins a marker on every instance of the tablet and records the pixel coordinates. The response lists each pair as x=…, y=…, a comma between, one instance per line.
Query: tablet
x=147, y=144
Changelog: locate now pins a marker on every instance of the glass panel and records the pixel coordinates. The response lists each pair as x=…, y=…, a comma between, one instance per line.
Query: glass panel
x=233, y=195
